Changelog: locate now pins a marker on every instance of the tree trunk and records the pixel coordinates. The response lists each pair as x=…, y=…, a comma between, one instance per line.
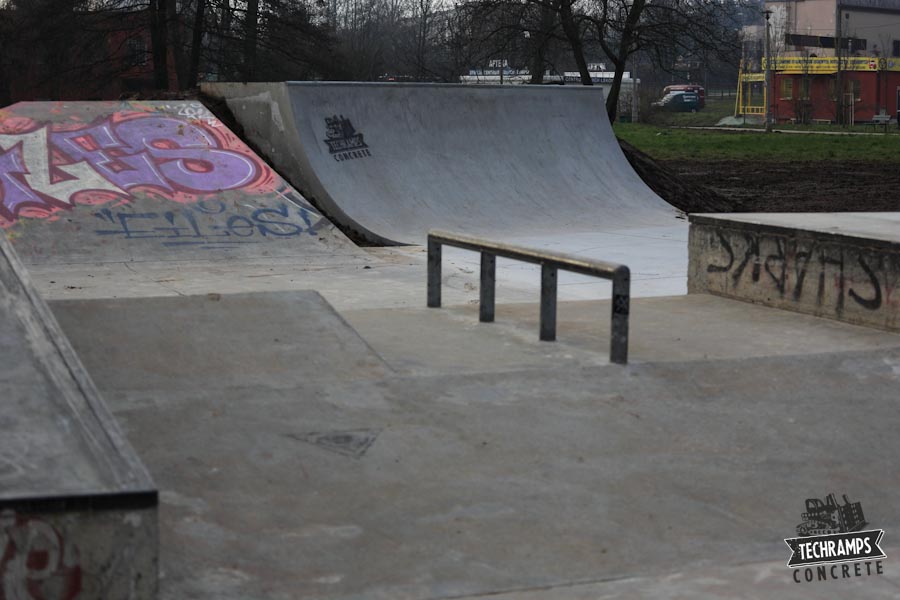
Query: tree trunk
x=631, y=22
x=540, y=40
x=612, y=100
x=223, y=55
x=570, y=28
x=250, y=33
x=159, y=38
x=196, y=41
x=175, y=42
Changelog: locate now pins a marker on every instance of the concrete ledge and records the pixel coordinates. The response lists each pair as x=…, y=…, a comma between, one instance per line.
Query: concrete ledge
x=69, y=551
x=843, y=273
x=78, y=510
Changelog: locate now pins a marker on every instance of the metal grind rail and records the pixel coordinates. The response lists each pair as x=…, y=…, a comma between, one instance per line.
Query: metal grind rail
x=550, y=262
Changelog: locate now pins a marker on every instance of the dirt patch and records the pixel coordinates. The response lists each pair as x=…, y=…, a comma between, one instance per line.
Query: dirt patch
x=683, y=192
x=796, y=186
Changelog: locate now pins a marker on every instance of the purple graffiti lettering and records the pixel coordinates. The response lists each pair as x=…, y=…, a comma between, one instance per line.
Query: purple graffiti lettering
x=117, y=162
x=187, y=155
x=14, y=192
x=175, y=157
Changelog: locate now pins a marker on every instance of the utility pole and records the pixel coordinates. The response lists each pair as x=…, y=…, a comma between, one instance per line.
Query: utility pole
x=839, y=79
x=768, y=76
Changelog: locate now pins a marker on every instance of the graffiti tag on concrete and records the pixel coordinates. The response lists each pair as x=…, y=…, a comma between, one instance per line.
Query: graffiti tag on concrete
x=45, y=168
x=190, y=225
x=821, y=276
x=36, y=562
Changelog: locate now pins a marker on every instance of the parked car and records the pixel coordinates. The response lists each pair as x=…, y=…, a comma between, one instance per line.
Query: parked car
x=679, y=102
x=688, y=87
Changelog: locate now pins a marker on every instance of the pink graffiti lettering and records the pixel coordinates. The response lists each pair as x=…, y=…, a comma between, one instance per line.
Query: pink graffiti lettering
x=54, y=166
x=36, y=562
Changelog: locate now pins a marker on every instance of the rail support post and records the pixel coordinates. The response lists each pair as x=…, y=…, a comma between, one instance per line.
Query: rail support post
x=621, y=300
x=548, y=302
x=434, y=273
x=488, y=285
x=551, y=263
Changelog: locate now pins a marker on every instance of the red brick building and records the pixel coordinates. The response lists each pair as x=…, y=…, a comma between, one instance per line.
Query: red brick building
x=807, y=89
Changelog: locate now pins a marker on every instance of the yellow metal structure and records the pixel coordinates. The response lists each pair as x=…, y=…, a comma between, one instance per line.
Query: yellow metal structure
x=746, y=103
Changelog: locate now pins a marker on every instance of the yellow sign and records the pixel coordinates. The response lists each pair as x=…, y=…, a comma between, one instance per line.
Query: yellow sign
x=829, y=65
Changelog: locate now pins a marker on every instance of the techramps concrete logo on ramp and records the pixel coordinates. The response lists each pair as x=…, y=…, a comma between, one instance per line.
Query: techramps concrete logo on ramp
x=832, y=543
x=344, y=142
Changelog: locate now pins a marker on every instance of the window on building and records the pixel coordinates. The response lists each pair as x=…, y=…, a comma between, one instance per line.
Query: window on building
x=787, y=89
x=137, y=53
x=895, y=51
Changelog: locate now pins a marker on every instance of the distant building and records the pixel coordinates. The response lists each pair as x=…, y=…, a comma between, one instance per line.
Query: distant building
x=832, y=60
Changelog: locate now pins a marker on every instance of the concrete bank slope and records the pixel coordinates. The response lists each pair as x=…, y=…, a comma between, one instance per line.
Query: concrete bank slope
x=99, y=182
x=390, y=161
x=843, y=266
x=305, y=452
x=78, y=510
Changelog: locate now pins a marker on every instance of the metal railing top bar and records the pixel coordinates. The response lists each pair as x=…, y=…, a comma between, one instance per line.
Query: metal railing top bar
x=550, y=262
x=566, y=262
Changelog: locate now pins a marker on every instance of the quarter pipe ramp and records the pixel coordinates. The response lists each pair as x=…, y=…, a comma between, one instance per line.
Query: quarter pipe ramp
x=390, y=161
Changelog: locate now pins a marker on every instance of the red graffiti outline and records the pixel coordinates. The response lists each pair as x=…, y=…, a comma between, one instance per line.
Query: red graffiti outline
x=72, y=574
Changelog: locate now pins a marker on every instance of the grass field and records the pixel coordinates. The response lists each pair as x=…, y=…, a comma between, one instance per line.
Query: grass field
x=712, y=113
x=665, y=143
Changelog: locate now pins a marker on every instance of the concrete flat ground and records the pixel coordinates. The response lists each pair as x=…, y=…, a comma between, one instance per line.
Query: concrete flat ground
x=384, y=277
x=404, y=452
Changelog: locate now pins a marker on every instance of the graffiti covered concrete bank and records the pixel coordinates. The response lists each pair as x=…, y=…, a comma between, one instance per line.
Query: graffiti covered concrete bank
x=829, y=274
x=140, y=179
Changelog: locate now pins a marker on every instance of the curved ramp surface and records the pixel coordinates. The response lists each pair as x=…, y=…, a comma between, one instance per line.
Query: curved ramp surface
x=144, y=181
x=390, y=161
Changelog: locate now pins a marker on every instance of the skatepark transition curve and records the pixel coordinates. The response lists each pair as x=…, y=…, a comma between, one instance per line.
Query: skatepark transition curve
x=390, y=161
x=144, y=181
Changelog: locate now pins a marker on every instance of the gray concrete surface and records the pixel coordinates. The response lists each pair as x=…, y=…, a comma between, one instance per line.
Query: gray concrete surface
x=869, y=227
x=845, y=267
x=77, y=506
x=485, y=160
x=476, y=460
x=753, y=581
x=698, y=327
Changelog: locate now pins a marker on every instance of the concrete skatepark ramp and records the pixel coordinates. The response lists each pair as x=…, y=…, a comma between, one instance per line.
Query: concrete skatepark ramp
x=77, y=507
x=351, y=443
x=390, y=161
x=144, y=181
